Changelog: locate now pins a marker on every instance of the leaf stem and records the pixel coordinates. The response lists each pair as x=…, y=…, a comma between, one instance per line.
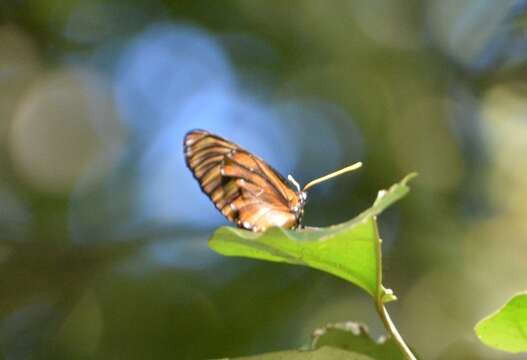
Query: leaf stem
x=392, y=330
x=379, y=301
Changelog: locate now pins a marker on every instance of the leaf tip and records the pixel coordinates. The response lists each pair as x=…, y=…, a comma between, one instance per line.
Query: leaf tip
x=409, y=177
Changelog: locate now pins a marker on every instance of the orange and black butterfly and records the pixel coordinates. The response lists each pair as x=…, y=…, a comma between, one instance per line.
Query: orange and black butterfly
x=242, y=186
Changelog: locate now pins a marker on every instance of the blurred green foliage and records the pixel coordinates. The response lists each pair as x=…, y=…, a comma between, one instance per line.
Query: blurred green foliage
x=354, y=337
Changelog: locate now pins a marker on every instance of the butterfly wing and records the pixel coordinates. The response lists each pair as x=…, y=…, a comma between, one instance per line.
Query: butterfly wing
x=241, y=185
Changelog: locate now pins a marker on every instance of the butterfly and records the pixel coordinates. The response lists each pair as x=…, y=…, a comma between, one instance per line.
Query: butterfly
x=243, y=187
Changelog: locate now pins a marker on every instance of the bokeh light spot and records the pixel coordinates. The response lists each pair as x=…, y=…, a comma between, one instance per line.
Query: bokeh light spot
x=54, y=136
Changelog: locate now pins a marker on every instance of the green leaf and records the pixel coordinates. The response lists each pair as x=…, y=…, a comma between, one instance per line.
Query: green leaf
x=506, y=329
x=348, y=250
x=354, y=337
x=324, y=353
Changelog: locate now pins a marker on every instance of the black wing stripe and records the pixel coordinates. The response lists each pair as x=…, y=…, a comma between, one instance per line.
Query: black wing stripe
x=204, y=153
x=203, y=169
x=211, y=168
x=277, y=190
x=206, y=135
x=195, y=157
x=260, y=173
x=214, y=145
x=202, y=159
x=220, y=185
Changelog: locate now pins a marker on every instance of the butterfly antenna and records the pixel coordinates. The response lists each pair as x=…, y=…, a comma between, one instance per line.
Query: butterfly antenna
x=293, y=181
x=332, y=175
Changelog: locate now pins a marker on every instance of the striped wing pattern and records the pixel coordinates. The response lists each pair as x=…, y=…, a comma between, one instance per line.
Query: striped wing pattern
x=241, y=185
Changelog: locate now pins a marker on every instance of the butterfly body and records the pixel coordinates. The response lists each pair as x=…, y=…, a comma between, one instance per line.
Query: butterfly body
x=242, y=186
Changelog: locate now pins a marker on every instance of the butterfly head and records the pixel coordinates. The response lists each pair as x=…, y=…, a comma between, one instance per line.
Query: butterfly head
x=302, y=196
x=298, y=208
x=300, y=201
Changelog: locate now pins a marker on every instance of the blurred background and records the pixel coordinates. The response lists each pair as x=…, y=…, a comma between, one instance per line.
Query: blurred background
x=103, y=230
